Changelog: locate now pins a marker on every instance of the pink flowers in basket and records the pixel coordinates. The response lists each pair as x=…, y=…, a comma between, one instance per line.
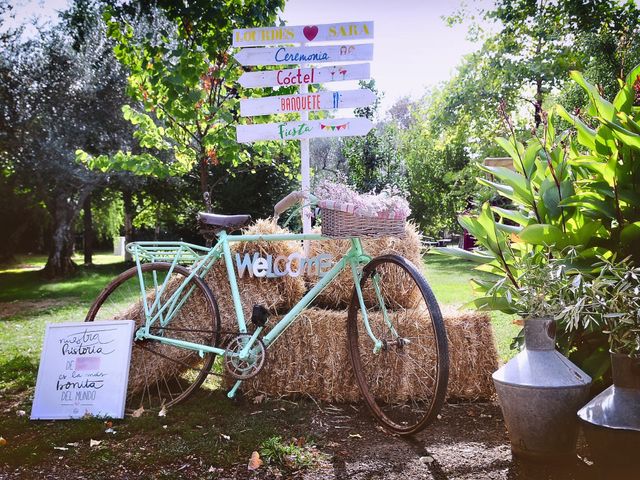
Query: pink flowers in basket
x=386, y=204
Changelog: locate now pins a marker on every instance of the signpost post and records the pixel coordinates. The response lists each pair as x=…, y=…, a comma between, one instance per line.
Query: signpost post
x=304, y=56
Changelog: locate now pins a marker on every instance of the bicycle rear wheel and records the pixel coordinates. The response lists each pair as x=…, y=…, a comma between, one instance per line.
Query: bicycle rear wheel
x=162, y=375
x=404, y=381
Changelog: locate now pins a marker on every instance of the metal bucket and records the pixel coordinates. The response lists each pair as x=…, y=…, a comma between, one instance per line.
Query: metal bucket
x=611, y=421
x=540, y=391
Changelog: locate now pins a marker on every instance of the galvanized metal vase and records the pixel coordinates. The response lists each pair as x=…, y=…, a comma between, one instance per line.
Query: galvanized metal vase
x=540, y=391
x=611, y=421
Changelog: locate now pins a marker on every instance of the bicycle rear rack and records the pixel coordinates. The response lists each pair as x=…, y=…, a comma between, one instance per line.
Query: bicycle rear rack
x=181, y=252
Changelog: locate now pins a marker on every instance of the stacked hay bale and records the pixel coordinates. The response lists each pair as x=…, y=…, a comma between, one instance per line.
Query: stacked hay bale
x=312, y=358
x=337, y=295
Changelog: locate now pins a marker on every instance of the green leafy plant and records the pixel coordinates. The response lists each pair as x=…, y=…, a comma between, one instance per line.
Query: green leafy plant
x=544, y=288
x=288, y=455
x=577, y=190
x=610, y=302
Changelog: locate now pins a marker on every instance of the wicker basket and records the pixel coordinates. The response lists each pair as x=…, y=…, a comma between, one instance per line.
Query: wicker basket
x=340, y=224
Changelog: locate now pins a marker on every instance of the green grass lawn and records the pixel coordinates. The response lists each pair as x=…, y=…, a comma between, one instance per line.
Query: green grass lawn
x=450, y=279
x=28, y=302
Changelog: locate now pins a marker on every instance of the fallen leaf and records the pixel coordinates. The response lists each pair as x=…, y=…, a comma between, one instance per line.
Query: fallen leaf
x=3, y=441
x=255, y=461
x=519, y=322
x=162, y=412
x=427, y=459
x=21, y=413
x=94, y=443
x=300, y=441
x=108, y=424
x=138, y=412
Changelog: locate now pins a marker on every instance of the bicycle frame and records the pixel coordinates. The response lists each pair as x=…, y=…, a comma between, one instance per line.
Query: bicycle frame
x=203, y=259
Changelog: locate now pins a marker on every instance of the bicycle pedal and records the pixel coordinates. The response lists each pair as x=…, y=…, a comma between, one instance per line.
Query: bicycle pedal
x=259, y=316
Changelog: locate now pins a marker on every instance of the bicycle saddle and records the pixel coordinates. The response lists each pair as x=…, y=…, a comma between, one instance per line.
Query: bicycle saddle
x=223, y=222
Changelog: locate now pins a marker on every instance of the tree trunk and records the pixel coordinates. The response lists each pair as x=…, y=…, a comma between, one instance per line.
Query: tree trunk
x=88, y=232
x=537, y=116
x=129, y=213
x=59, y=263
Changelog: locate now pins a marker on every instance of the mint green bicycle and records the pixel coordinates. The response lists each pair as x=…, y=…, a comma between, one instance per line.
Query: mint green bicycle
x=396, y=341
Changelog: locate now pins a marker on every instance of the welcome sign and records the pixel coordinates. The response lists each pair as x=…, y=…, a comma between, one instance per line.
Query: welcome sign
x=84, y=370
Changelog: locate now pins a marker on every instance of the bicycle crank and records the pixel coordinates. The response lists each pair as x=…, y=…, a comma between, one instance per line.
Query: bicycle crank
x=249, y=367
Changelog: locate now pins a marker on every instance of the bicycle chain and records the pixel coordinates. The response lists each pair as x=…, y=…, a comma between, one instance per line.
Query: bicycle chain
x=226, y=335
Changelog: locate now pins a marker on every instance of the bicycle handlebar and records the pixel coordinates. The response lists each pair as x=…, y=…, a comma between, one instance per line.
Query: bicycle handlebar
x=288, y=202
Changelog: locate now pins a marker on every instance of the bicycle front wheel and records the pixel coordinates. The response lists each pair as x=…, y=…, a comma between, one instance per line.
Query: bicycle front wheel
x=399, y=352
x=162, y=375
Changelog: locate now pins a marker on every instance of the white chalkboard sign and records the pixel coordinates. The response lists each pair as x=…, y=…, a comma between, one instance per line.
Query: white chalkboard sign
x=84, y=370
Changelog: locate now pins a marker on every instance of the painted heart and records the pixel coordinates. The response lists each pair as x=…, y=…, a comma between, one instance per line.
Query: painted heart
x=310, y=32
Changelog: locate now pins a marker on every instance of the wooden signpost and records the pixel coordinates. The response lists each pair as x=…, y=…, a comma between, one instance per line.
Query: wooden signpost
x=305, y=76
x=304, y=56
x=335, y=32
x=341, y=127
x=296, y=55
x=309, y=102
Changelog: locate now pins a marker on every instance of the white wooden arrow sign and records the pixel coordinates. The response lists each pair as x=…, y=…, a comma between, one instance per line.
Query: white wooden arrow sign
x=305, y=76
x=307, y=102
x=338, y=32
x=341, y=127
x=359, y=52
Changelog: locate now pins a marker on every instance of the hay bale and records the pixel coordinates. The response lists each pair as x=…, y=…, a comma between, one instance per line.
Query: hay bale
x=311, y=358
x=337, y=295
x=160, y=360
x=472, y=353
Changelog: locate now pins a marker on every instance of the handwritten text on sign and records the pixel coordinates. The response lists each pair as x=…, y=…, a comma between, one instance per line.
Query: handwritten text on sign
x=306, y=102
x=245, y=37
x=305, y=76
x=83, y=370
x=343, y=127
x=294, y=55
